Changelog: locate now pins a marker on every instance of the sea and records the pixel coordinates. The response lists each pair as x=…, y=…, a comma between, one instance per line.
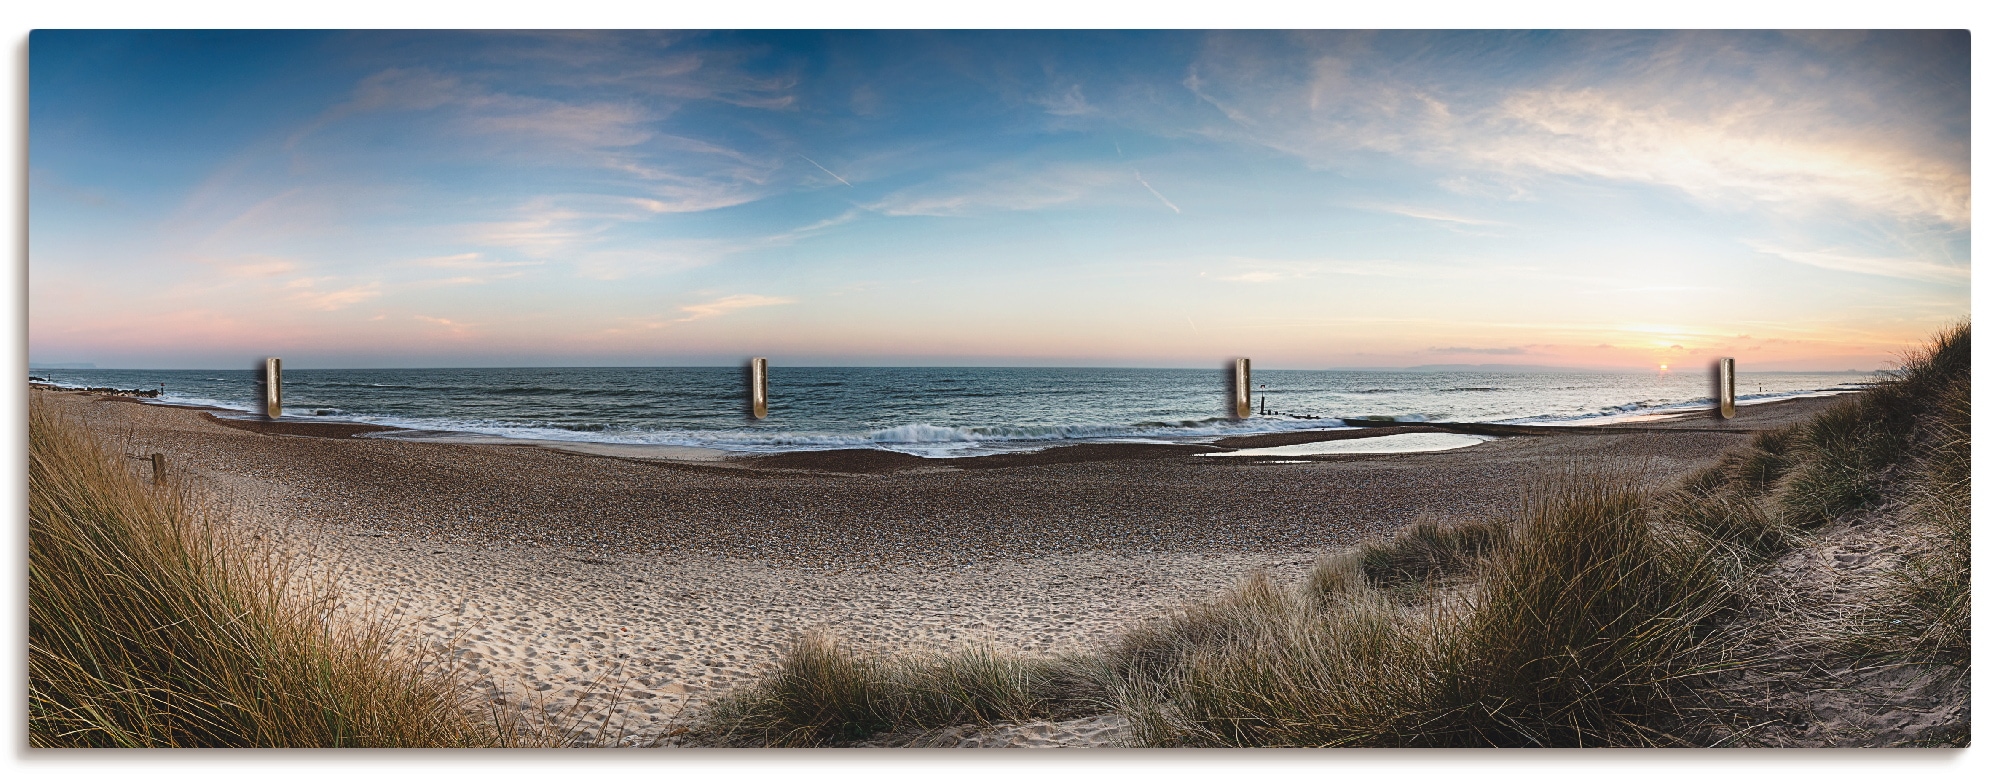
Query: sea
x=931, y=411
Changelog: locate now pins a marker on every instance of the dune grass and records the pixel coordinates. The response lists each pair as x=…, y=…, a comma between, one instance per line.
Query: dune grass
x=151, y=625
x=1925, y=615
x=1576, y=630
x=825, y=694
x=1844, y=458
x=1904, y=448
x=1428, y=549
x=1595, y=618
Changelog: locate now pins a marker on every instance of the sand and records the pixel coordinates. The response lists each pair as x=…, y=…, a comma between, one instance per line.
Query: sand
x=635, y=640
x=635, y=589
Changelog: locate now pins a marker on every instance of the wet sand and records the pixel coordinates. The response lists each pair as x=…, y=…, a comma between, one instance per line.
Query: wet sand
x=564, y=575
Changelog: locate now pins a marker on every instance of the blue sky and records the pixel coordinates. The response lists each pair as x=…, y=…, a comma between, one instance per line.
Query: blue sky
x=1616, y=200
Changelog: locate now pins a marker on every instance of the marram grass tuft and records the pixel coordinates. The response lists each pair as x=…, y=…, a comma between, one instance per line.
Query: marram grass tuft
x=149, y=625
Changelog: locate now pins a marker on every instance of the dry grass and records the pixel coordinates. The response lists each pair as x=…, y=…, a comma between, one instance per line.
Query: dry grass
x=151, y=625
x=1857, y=631
x=1577, y=630
x=1925, y=613
x=1427, y=549
x=1574, y=625
x=1845, y=458
x=825, y=694
x=1599, y=617
x=1901, y=453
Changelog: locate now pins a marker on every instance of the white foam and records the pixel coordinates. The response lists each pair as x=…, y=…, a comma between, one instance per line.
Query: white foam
x=921, y=439
x=972, y=428
x=1650, y=410
x=1414, y=442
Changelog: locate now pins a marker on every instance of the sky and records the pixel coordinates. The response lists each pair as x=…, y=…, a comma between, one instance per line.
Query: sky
x=1604, y=200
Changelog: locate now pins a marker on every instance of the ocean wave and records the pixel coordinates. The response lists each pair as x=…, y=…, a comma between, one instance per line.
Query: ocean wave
x=477, y=390
x=1626, y=408
x=1659, y=406
x=930, y=433
x=303, y=381
x=944, y=416
x=923, y=439
x=1400, y=418
x=1188, y=424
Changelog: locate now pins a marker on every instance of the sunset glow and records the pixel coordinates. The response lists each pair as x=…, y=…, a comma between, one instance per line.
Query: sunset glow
x=1600, y=200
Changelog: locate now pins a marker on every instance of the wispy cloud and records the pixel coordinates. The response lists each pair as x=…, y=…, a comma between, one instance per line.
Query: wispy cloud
x=998, y=189
x=1489, y=187
x=607, y=143
x=1068, y=102
x=1689, y=113
x=253, y=267
x=1149, y=187
x=552, y=226
x=567, y=126
x=542, y=227
x=595, y=254
x=338, y=298
x=1252, y=270
x=455, y=328
x=1738, y=151
x=1023, y=186
x=1434, y=215
x=664, y=64
x=1890, y=267
x=822, y=168
x=471, y=260
x=1514, y=350
x=729, y=304
x=1258, y=276
x=824, y=224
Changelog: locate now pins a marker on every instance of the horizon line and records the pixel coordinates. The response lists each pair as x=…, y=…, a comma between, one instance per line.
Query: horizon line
x=1438, y=368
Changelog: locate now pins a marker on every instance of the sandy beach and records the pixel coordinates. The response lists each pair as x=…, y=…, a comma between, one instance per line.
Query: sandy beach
x=640, y=585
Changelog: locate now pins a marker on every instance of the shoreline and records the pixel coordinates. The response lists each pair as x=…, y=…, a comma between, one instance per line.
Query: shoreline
x=864, y=506
x=867, y=460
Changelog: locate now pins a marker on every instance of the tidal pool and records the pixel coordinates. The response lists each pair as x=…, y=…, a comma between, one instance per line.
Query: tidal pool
x=1414, y=442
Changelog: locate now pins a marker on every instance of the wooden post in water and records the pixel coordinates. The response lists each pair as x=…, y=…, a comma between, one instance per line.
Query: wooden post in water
x=274, y=388
x=159, y=468
x=1240, y=387
x=1725, y=387
x=759, y=387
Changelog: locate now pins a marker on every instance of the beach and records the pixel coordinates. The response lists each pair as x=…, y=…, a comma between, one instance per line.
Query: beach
x=640, y=586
